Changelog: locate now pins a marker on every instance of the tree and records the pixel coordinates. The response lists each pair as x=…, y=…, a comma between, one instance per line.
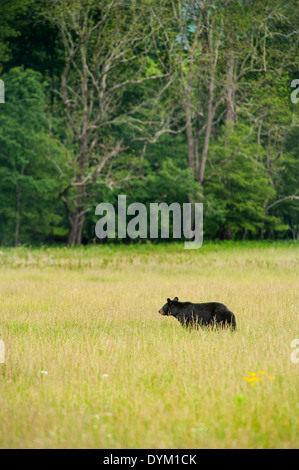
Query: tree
x=28, y=181
x=166, y=100
x=242, y=188
x=216, y=50
x=8, y=30
x=106, y=47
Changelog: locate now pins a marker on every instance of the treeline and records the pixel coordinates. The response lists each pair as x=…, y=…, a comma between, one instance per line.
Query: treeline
x=164, y=101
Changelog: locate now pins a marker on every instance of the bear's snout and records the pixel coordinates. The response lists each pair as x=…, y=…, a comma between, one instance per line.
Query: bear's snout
x=161, y=311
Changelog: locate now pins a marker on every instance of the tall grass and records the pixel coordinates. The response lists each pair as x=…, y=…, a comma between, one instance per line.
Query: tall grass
x=91, y=363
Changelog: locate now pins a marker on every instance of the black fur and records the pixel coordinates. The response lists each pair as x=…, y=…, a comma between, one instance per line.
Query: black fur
x=204, y=314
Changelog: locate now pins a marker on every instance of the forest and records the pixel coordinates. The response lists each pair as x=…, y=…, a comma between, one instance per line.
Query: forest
x=161, y=101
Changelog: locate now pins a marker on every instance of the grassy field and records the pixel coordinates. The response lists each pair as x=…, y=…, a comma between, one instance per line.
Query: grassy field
x=91, y=364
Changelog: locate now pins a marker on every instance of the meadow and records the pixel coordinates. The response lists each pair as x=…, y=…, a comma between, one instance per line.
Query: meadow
x=89, y=362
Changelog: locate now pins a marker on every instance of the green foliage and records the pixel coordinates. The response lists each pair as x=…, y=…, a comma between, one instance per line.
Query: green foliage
x=28, y=182
x=252, y=163
x=8, y=27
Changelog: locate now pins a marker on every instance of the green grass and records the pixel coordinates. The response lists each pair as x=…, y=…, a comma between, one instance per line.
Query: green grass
x=118, y=375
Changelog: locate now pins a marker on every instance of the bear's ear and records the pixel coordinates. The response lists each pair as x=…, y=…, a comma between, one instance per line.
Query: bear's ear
x=176, y=299
x=168, y=301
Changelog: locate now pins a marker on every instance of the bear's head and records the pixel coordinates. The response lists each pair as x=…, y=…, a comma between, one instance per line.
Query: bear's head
x=166, y=309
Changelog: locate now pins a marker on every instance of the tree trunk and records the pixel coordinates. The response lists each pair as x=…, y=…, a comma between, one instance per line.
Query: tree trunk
x=190, y=141
x=230, y=114
x=76, y=219
x=18, y=209
x=259, y=131
x=18, y=214
x=205, y=149
x=228, y=234
x=75, y=232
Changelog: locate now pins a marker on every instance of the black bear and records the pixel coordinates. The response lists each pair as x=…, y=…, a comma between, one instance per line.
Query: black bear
x=204, y=314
